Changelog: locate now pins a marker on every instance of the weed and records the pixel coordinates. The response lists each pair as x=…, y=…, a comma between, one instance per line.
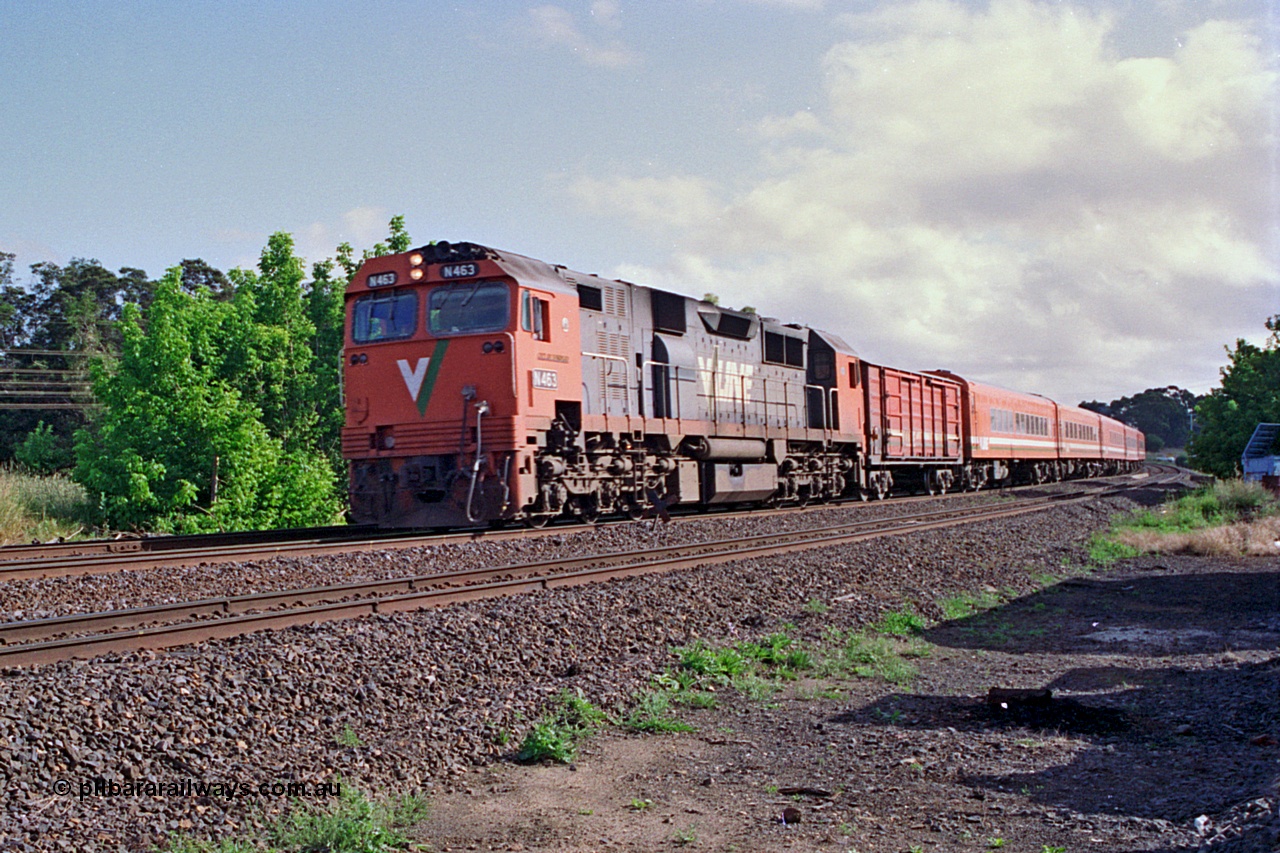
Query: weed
x=569, y=718
x=184, y=844
x=900, y=623
x=721, y=664
x=686, y=836
x=652, y=714
x=771, y=650
x=875, y=657
x=353, y=825
x=1045, y=848
x=700, y=699
x=816, y=606
x=995, y=843
x=347, y=738
x=754, y=687
x=1228, y=518
x=638, y=805
x=548, y=741
x=1105, y=551
x=962, y=606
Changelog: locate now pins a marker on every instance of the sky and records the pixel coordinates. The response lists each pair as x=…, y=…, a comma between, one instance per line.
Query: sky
x=1079, y=199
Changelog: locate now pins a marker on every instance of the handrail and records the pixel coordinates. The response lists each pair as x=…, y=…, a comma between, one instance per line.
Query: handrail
x=626, y=385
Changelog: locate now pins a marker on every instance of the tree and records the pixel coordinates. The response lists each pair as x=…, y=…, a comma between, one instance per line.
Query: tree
x=177, y=445
x=1163, y=413
x=224, y=408
x=1249, y=395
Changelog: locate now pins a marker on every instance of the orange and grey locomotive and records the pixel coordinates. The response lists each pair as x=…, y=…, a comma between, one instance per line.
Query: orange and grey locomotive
x=484, y=386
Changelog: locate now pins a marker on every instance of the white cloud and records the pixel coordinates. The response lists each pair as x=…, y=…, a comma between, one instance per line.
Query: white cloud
x=998, y=192
x=674, y=202
x=555, y=26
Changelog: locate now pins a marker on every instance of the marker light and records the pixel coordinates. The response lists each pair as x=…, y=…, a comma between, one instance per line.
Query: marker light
x=415, y=259
x=415, y=273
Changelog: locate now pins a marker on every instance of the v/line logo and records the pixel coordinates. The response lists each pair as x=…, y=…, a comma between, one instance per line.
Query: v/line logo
x=421, y=377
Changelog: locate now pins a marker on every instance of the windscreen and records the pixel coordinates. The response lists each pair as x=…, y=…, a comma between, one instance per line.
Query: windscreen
x=461, y=309
x=384, y=317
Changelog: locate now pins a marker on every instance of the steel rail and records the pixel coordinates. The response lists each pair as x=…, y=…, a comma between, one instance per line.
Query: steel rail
x=589, y=569
x=34, y=629
x=177, y=542
x=23, y=562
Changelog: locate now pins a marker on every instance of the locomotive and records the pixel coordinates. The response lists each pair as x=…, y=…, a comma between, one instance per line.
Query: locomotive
x=483, y=386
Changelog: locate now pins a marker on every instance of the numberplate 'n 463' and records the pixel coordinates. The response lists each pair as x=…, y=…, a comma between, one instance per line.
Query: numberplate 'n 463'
x=545, y=379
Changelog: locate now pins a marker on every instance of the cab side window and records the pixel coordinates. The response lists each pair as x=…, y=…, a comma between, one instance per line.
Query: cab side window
x=535, y=316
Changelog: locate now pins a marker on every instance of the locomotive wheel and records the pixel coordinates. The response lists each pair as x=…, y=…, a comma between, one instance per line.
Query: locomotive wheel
x=536, y=522
x=589, y=510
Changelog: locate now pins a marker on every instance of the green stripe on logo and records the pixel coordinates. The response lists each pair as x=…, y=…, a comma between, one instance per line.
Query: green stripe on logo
x=433, y=370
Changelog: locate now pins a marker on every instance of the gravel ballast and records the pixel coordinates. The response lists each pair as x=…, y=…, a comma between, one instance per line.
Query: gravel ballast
x=430, y=696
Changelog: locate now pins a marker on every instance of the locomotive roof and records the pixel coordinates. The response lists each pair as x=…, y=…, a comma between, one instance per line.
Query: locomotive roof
x=559, y=278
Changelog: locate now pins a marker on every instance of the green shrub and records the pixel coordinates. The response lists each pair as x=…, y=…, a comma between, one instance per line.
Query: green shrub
x=42, y=452
x=569, y=718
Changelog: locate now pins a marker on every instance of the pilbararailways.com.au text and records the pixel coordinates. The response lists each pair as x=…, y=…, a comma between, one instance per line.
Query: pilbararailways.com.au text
x=229, y=789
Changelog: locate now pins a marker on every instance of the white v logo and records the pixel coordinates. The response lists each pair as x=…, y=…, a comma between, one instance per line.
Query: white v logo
x=413, y=378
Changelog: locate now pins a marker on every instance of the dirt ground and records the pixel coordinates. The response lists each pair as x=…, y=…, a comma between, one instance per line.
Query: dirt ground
x=1163, y=734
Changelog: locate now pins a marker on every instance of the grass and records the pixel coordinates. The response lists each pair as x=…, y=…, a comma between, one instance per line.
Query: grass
x=904, y=622
x=353, y=824
x=347, y=738
x=873, y=653
x=41, y=507
x=1229, y=518
x=964, y=605
x=652, y=713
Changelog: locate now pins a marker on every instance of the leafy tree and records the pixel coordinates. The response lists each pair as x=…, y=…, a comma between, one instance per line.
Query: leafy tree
x=276, y=368
x=177, y=445
x=224, y=408
x=1249, y=395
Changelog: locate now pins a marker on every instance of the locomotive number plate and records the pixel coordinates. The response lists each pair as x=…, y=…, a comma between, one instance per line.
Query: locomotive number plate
x=545, y=379
x=459, y=270
x=382, y=279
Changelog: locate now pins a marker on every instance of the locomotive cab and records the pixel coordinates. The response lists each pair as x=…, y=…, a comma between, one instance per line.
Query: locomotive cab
x=437, y=415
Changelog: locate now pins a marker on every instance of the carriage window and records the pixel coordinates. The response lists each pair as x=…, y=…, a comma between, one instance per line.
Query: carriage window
x=384, y=317
x=535, y=315
x=461, y=309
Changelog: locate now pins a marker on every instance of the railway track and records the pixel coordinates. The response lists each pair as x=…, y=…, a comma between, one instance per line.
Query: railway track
x=31, y=642
x=24, y=562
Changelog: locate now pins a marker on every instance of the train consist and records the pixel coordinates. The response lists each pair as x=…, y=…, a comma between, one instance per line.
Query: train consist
x=484, y=386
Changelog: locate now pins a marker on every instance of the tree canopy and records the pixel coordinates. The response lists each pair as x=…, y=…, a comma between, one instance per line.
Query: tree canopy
x=220, y=407
x=1162, y=413
x=1249, y=395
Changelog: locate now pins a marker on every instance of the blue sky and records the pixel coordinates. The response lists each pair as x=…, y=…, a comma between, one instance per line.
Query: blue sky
x=1073, y=198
